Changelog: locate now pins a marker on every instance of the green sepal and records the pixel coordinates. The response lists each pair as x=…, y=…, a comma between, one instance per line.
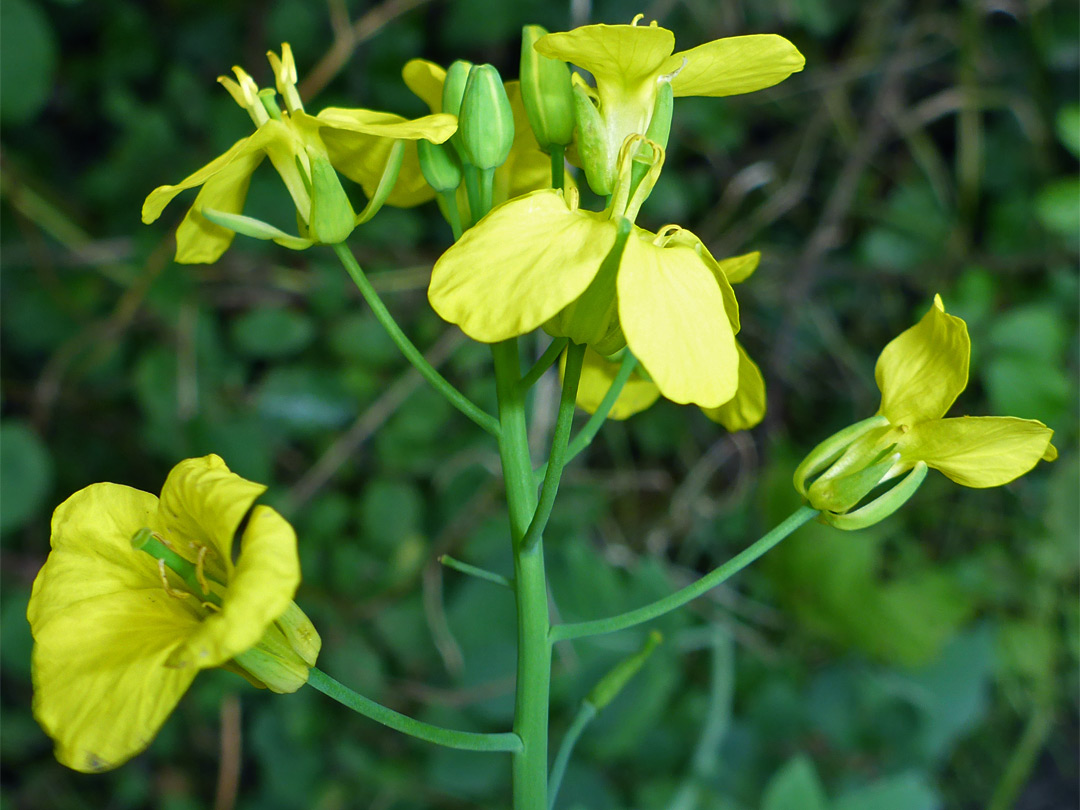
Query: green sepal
x=594, y=151
x=386, y=183
x=546, y=92
x=300, y=633
x=256, y=228
x=274, y=663
x=332, y=215
x=457, y=75
x=828, y=451
x=611, y=684
x=486, y=120
x=882, y=506
x=839, y=493
x=660, y=124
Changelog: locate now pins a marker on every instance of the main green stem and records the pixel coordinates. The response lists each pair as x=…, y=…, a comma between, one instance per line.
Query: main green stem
x=529, y=768
x=562, y=632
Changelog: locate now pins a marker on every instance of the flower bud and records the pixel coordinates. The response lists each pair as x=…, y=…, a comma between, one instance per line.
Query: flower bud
x=486, y=121
x=546, y=92
x=440, y=165
x=454, y=86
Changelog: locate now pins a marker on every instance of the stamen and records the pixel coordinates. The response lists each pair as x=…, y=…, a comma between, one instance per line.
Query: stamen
x=637, y=18
x=211, y=607
x=165, y=583
x=665, y=235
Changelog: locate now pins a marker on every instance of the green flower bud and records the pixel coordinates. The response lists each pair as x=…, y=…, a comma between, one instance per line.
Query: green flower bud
x=546, y=92
x=453, y=89
x=486, y=121
x=597, y=157
x=440, y=165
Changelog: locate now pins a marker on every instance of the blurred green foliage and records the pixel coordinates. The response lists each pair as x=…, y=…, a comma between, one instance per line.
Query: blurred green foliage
x=928, y=662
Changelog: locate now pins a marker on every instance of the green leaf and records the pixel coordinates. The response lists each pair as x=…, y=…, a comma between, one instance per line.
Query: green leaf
x=26, y=474
x=1067, y=127
x=27, y=61
x=908, y=791
x=272, y=332
x=795, y=787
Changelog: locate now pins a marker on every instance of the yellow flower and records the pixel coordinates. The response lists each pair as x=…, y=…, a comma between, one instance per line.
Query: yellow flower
x=138, y=594
x=599, y=280
x=526, y=169
x=920, y=374
x=630, y=63
x=305, y=150
x=742, y=412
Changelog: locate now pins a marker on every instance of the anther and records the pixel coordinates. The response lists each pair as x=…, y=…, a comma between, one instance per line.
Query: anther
x=165, y=583
x=637, y=18
x=199, y=572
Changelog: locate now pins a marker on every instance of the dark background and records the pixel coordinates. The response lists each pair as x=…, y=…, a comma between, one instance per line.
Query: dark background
x=930, y=661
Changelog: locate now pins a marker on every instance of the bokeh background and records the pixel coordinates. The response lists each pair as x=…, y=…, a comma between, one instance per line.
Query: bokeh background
x=928, y=662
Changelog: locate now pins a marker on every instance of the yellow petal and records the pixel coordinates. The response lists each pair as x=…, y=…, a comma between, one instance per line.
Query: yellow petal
x=203, y=503
x=731, y=304
x=740, y=268
x=747, y=408
x=977, y=451
x=200, y=241
x=435, y=128
x=91, y=549
x=425, y=79
x=672, y=313
x=362, y=157
x=260, y=589
x=618, y=54
x=519, y=266
x=922, y=371
x=101, y=686
x=597, y=375
x=161, y=196
x=727, y=67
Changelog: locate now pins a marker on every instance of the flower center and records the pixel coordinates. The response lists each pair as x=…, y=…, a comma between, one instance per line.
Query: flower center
x=193, y=575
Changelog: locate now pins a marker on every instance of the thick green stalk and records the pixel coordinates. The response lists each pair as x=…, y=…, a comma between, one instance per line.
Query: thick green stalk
x=412, y=354
x=529, y=769
x=558, y=165
x=464, y=740
x=562, y=632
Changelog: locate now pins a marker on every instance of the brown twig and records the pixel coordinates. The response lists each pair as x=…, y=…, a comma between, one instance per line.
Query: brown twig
x=231, y=741
x=347, y=37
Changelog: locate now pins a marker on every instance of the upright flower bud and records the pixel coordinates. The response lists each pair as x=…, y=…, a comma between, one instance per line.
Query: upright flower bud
x=486, y=121
x=547, y=92
x=454, y=86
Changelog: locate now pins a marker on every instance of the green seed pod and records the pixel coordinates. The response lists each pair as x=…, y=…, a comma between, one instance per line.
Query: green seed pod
x=485, y=121
x=546, y=92
x=440, y=165
x=454, y=86
x=611, y=684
